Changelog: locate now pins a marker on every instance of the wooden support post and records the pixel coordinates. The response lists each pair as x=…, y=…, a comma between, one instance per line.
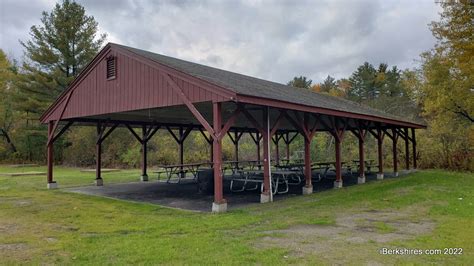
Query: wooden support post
x=308, y=188
x=413, y=140
x=287, y=142
x=277, y=149
x=338, y=133
x=144, y=176
x=338, y=182
x=211, y=151
x=259, y=137
x=380, y=153
x=98, y=157
x=236, y=145
x=266, y=195
x=407, y=150
x=50, y=157
x=219, y=204
x=361, y=133
x=181, y=150
x=361, y=178
x=209, y=141
x=235, y=140
x=395, y=151
x=308, y=134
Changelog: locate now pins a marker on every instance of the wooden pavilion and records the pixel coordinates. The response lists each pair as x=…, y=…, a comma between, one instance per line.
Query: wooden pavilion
x=137, y=89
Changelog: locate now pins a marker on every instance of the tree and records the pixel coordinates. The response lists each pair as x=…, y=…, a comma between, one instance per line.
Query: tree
x=446, y=90
x=316, y=87
x=368, y=83
x=363, y=83
x=7, y=77
x=58, y=50
x=454, y=52
x=328, y=84
x=300, y=82
x=388, y=82
x=343, y=84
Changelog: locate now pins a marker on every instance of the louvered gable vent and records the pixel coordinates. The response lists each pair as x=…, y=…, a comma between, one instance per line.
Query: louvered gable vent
x=111, y=68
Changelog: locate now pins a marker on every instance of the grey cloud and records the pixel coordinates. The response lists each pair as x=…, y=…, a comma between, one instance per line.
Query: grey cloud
x=16, y=18
x=274, y=40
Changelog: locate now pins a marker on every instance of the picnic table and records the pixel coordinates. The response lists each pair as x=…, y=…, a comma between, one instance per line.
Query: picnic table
x=180, y=170
x=279, y=178
x=324, y=167
x=285, y=161
x=252, y=164
x=234, y=166
x=369, y=163
x=299, y=167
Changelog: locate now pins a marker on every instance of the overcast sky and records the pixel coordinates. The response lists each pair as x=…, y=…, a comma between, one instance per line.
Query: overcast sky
x=274, y=40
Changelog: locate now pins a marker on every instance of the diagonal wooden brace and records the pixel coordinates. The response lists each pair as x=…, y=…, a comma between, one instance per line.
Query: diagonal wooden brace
x=189, y=104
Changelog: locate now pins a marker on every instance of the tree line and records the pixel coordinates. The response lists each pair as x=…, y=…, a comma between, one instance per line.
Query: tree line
x=439, y=92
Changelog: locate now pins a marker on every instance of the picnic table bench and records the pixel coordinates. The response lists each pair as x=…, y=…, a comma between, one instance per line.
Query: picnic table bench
x=325, y=167
x=278, y=179
x=369, y=164
x=236, y=166
x=179, y=170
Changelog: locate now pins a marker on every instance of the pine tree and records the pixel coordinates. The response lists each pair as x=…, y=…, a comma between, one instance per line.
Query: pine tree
x=328, y=84
x=57, y=51
x=300, y=82
x=7, y=78
x=59, y=48
x=363, y=83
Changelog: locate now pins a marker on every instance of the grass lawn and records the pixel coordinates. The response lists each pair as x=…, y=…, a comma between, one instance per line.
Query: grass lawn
x=424, y=210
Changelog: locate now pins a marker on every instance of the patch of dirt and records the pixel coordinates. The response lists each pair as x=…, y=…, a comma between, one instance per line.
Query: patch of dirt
x=90, y=234
x=350, y=229
x=13, y=247
x=22, y=203
x=51, y=239
x=404, y=191
x=8, y=229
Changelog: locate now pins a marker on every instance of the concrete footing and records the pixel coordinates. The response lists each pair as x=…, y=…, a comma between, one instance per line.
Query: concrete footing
x=219, y=207
x=264, y=198
x=53, y=185
x=307, y=190
x=99, y=182
x=144, y=178
x=338, y=184
x=395, y=173
x=361, y=180
x=380, y=176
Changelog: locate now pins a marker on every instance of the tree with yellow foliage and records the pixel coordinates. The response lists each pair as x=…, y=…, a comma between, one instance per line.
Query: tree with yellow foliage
x=447, y=90
x=7, y=75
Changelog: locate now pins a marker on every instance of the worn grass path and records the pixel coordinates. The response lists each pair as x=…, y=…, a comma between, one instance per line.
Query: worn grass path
x=341, y=226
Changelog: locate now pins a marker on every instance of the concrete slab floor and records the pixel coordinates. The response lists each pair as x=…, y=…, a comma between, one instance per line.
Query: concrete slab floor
x=185, y=195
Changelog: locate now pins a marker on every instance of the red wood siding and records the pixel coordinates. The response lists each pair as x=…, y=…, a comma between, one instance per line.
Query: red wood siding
x=136, y=86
